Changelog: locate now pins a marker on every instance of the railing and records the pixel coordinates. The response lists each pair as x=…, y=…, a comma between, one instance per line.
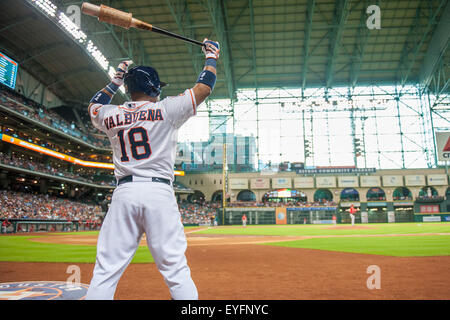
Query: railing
x=55, y=177
x=41, y=225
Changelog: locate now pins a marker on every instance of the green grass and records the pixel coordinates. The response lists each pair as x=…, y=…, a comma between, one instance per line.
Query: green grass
x=317, y=230
x=21, y=249
x=402, y=246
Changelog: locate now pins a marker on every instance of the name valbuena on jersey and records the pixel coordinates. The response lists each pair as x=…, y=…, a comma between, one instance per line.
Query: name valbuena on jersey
x=143, y=134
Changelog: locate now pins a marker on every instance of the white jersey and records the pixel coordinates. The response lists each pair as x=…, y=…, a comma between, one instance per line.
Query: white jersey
x=143, y=134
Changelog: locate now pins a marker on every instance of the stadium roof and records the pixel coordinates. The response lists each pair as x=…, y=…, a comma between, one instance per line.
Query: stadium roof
x=265, y=43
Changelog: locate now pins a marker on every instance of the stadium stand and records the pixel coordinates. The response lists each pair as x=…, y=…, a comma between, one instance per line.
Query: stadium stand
x=33, y=110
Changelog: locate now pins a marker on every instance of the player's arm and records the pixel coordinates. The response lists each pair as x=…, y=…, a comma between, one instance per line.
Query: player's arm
x=207, y=78
x=105, y=95
x=180, y=108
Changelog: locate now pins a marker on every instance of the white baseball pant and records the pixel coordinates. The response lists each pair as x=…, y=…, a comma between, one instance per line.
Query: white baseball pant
x=142, y=207
x=352, y=216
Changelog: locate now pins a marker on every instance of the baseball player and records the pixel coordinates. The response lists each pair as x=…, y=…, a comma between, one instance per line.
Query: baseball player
x=143, y=136
x=244, y=220
x=352, y=214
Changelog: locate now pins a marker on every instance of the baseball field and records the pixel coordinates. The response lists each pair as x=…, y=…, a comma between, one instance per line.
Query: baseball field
x=260, y=262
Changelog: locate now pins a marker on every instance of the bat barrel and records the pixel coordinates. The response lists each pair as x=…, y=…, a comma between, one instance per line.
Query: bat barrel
x=126, y=20
x=90, y=9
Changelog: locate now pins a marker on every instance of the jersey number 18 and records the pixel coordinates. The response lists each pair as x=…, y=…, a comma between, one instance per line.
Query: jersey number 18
x=135, y=144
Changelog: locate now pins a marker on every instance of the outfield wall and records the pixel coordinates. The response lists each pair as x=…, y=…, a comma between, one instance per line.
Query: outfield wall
x=319, y=215
x=35, y=225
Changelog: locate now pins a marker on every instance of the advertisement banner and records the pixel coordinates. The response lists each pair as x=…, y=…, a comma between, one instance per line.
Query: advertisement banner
x=335, y=170
x=431, y=219
x=326, y=182
x=370, y=181
x=377, y=204
x=349, y=204
x=429, y=208
x=281, y=183
x=260, y=183
x=437, y=179
x=348, y=182
x=403, y=203
x=280, y=213
x=443, y=145
x=304, y=182
x=392, y=181
x=415, y=180
x=364, y=217
x=238, y=184
x=391, y=216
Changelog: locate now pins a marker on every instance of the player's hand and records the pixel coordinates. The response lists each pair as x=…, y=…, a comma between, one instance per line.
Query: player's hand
x=120, y=72
x=211, y=49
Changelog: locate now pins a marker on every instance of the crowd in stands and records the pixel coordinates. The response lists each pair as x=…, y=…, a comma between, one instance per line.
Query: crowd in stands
x=81, y=174
x=198, y=213
x=35, y=111
x=20, y=205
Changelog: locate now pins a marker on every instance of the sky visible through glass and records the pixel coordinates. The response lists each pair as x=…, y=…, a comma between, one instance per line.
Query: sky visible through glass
x=391, y=134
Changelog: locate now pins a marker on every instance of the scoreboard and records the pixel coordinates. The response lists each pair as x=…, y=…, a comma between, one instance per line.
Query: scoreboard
x=8, y=71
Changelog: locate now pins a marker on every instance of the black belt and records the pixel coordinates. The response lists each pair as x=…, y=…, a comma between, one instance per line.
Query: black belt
x=130, y=179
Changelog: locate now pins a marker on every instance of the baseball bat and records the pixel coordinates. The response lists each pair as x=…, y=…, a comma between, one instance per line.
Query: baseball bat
x=126, y=20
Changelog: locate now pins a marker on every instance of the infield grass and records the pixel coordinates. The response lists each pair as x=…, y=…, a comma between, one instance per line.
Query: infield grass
x=401, y=246
x=324, y=229
x=21, y=249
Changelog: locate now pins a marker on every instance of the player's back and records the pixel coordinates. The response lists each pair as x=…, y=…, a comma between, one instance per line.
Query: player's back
x=143, y=134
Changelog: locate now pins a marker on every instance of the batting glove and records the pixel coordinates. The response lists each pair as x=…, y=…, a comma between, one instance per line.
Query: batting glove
x=211, y=49
x=120, y=72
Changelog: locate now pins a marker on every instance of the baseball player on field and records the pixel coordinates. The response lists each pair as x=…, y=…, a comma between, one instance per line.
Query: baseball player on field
x=352, y=211
x=143, y=136
x=244, y=220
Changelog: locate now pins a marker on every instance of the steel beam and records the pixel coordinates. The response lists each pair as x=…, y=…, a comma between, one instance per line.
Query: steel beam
x=218, y=17
x=42, y=50
x=69, y=74
x=360, y=45
x=180, y=12
x=308, y=28
x=416, y=37
x=252, y=34
x=341, y=12
x=437, y=47
x=12, y=23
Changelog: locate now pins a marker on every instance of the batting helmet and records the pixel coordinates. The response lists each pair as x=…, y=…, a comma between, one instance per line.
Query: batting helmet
x=143, y=79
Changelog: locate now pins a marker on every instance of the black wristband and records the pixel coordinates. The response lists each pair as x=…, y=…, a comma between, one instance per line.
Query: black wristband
x=207, y=77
